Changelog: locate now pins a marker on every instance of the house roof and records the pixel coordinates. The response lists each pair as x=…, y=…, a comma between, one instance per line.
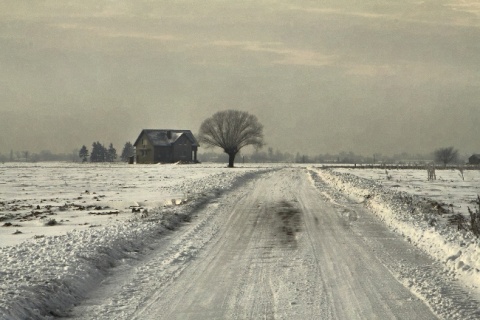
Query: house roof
x=475, y=156
x=166, y=137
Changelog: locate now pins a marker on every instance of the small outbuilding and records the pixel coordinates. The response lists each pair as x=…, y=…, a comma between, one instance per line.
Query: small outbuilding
x=166, y=146
x=474, y=159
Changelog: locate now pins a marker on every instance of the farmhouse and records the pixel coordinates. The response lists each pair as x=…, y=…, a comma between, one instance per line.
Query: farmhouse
x=165, y=146
x=474, y=159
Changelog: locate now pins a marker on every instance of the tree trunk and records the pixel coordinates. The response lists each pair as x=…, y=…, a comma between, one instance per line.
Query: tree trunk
x=231, y=159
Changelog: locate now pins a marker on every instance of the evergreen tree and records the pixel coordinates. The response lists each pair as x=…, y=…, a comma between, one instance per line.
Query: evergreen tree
x=83, y=153
x=127, y=151
x=102, y=152
x=95, y=153
x=98, y=152
x=111, y=153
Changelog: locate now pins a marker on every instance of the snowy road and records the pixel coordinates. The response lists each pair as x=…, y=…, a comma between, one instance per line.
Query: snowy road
x=277, y=248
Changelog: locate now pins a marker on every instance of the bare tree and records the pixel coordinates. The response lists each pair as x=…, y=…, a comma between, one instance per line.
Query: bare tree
x=231, y=130
x=446, y=155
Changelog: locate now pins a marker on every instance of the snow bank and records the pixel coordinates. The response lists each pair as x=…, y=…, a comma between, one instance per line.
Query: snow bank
x=410, y=215
x=43, y=276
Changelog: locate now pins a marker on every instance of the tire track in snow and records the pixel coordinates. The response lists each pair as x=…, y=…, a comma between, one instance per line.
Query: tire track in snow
x=132, y=286
x=422, y=275
x=240, y=263
x=356, y=283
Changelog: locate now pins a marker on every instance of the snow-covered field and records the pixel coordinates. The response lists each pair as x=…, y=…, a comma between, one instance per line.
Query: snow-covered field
x=101, y=215
x=45, y=199
x=419, y=210
x=450, y=189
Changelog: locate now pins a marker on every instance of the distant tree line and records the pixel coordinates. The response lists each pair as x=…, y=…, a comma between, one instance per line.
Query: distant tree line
x=440, y=156
x=100, y=153
x=44, y=155
x=343, y=157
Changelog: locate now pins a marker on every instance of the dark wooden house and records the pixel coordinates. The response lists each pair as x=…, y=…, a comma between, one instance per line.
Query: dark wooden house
x=165, y=146
x=474, y=159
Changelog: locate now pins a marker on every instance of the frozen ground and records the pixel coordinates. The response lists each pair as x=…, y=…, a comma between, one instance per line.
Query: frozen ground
x=253, y=242
x=83, y=196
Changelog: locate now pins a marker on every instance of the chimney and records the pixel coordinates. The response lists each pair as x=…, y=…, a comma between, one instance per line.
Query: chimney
x=169, y=134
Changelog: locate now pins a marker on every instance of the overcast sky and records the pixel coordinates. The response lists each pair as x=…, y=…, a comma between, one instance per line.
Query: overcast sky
x=322, y=76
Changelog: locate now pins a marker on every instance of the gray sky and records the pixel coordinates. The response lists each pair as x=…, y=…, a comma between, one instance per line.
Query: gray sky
x=322, y=76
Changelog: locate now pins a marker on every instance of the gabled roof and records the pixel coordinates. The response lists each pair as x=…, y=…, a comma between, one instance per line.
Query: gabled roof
x=166, y=137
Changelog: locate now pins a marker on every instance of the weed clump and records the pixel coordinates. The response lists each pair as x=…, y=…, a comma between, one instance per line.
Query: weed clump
x=475, y=218
x=51, y=222
x=458, y=220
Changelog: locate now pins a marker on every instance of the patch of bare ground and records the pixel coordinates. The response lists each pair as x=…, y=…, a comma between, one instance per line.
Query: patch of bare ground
x=287, y=223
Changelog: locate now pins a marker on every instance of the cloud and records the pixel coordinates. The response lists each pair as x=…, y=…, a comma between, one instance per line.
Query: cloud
x=466, y=6
x=287, y=56
x=415, y=73
x=371, y=70
x=434, y=12
x=108, y=32
x=338, y=11
x=35, y=10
